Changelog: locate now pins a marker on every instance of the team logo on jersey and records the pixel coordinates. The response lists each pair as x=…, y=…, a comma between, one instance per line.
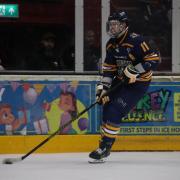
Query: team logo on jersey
x=121, y=57
x=121, y=64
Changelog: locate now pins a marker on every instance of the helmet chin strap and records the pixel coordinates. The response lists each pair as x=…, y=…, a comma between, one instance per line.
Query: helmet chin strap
x=121, y=33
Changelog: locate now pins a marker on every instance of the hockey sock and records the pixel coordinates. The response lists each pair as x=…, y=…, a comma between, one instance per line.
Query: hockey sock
x=106, y=142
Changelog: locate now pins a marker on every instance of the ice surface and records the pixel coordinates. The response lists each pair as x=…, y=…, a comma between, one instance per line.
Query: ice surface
x=75, y=166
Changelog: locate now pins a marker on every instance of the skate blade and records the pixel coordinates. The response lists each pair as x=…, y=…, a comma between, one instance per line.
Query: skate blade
x=96, y=161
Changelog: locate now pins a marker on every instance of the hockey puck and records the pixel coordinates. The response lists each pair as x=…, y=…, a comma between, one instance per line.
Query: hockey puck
x=7, y=162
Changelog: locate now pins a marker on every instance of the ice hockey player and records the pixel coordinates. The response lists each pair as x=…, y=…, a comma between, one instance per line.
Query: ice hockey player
x=129, y=61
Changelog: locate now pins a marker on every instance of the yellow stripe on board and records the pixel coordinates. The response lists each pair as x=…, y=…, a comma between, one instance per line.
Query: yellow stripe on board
x=86, y=143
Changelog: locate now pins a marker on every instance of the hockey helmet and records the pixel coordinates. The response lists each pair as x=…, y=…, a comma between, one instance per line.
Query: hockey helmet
x=117, y=23
x=119, y=16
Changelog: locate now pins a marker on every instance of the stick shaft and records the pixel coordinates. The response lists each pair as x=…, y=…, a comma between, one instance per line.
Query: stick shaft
x=59, y=130
x=66, y=124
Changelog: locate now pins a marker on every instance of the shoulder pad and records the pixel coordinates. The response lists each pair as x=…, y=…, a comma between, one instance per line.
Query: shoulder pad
x=134, y=35
x=136, y=38
x=110, y=44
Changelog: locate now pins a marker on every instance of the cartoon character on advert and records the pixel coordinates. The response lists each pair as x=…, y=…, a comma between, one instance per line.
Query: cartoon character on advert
x=67, y=104
x=64, y=109
x=9, y=124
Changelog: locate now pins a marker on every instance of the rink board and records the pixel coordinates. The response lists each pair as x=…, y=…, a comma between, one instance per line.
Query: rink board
x=34, y=103
x=86, y=143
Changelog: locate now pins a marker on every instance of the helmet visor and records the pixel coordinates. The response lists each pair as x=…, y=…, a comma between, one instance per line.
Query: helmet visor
x=115, y=27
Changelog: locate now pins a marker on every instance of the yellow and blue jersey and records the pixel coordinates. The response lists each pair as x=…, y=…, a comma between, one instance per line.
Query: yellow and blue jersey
x=130, y=48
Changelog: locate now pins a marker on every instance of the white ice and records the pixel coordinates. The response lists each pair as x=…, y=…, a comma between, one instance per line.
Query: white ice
x=75, y=166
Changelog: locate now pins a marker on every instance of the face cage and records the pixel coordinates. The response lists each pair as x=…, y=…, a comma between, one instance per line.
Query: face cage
x=116, y=26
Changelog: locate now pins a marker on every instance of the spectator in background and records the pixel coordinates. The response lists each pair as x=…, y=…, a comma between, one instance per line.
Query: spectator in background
x=1, y=66
x=69, y=55
x=91, y=52
x=47, y=55
x=4, y=59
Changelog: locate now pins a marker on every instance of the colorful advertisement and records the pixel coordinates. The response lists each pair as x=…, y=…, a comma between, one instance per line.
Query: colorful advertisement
x=157, y=113
x=41, y=107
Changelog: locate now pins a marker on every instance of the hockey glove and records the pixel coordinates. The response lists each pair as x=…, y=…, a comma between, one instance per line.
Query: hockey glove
x=101, y=89
x=130, y=74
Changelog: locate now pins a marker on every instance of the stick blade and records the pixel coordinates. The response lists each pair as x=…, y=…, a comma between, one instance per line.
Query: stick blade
x=11, y=160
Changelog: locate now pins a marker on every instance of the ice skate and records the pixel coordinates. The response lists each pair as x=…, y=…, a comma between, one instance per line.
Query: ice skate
x=99, y=155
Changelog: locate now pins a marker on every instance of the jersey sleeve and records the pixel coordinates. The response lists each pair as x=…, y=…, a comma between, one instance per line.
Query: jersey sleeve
x=148, y=58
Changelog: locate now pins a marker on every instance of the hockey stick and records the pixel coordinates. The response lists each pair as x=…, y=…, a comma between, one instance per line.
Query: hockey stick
x=14, y=160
